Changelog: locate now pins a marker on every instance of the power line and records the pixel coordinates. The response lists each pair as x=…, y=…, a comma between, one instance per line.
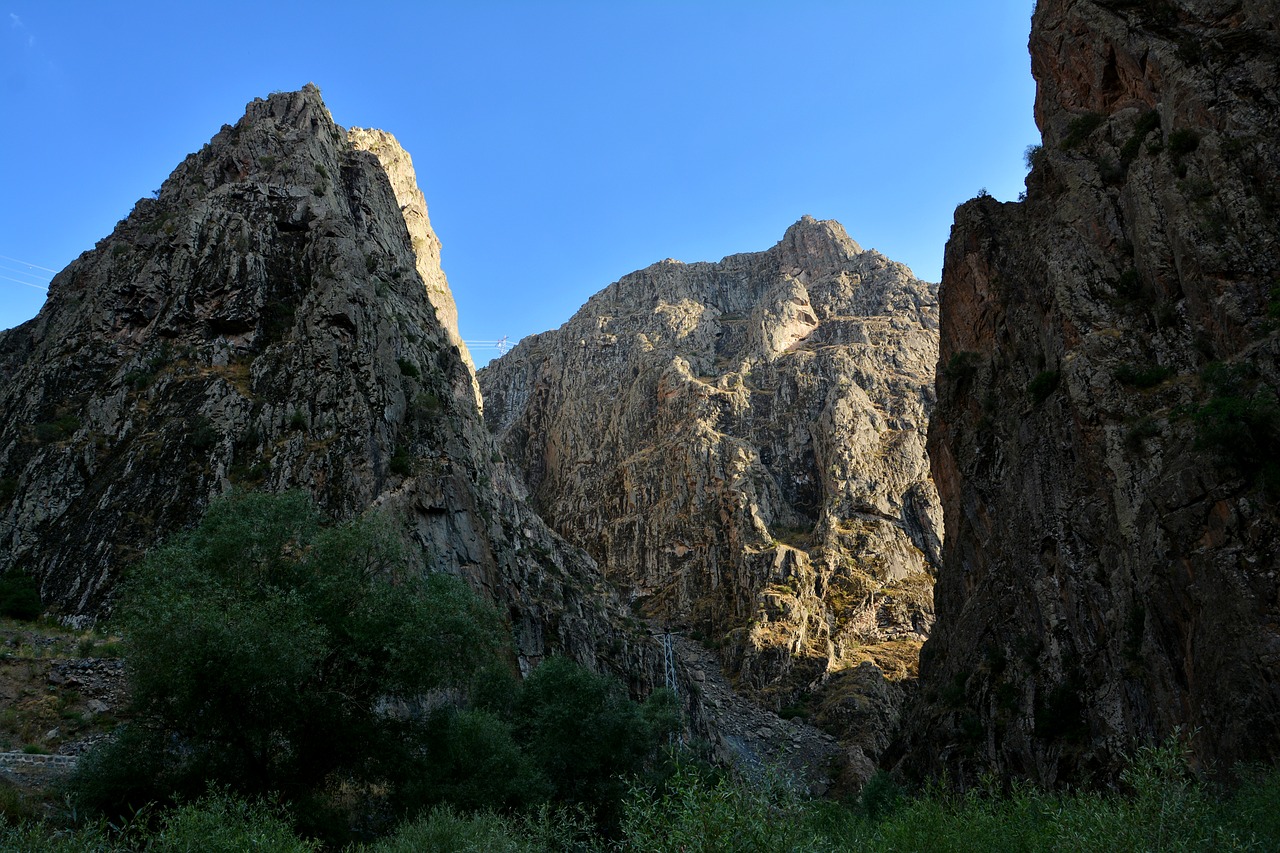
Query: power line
x=501, y=345
x=27, y=263
x=37, y=276
x=27, y=283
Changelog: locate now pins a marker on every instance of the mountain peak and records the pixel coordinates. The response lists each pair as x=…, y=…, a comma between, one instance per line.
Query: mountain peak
x=823, y=240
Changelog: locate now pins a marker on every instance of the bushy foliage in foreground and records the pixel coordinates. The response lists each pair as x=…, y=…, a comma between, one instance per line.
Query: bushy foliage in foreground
x=272, y=655
x=1162, y=807
x=267, y=652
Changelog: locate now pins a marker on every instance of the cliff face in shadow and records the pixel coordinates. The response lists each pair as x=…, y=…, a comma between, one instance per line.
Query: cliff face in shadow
x=1107, y=433
x=275, y=318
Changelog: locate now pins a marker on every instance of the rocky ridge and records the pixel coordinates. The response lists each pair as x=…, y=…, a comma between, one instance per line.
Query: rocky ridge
x=274, y=319
x=1107, y=430
x=740, y=446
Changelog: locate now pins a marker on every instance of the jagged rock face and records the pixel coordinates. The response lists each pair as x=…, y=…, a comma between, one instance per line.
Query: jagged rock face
x=398, y=166
x=1111, y=551
x=740, y=446
x=272, y=320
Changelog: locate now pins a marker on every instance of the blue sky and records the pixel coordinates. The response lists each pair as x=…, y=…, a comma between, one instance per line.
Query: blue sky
x=560, y=145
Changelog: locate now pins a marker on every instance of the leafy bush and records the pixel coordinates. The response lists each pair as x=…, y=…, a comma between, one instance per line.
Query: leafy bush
x=401, y=462
x=1033, y=156
x=266, y=653
x=1081, y=128
x=585, y=735
x=1044, y=384
x=961, y=367
x=1148, y=122
x=1142, y=376
x=59, y=430
x=1183, y=142
x=1240, y=422
x=221, y=823
x=700, y=813
x=202, y=434
x=20, y=596
x=408, y=368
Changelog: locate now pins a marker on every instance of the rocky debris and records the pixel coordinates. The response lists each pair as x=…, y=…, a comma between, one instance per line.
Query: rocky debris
x=740, y=446
x=755, y=740
x=98, y=681
x=1105, y=437
x=275, y=318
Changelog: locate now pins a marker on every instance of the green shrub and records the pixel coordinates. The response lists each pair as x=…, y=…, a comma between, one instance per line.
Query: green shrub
x=20, y=596
x=201, y=433
x=1145, y=428
x=444, y=830
x=59, y=430
x=1148, y=122
x=1240, y=422
x=1081, y=128
x=408, y=368
x=8, y=489
x=1142, y=376
x=1129, y=285
x=1033, y=156
x=1183, y=142
x=1044, y=384
x=585, y=735
x=961, y=367
x=700, y=813
x=263, y=649
x=222, y=823
x=401, y=463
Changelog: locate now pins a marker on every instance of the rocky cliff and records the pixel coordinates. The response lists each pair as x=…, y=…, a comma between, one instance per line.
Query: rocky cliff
x=275, y=318
x=740, y=446
x=1106, y=437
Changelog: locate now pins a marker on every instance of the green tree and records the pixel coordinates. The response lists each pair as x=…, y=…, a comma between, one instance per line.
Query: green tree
x=271, y=653
x=586, y=735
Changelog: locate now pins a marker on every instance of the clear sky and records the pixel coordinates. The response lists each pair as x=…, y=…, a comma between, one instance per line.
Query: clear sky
x=560, y=145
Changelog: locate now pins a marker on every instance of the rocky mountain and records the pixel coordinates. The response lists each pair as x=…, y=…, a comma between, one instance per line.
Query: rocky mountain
x=740, y=446
x=275, y=318
x=1107, y=431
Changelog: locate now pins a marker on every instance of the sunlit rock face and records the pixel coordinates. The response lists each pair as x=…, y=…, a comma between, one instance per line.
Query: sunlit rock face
x=740, y=446
x=275, y=318
x=1105, y=439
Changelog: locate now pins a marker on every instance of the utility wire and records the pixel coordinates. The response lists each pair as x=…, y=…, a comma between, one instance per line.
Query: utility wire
x=27, y=283
x=40, y=277
x=26, y=263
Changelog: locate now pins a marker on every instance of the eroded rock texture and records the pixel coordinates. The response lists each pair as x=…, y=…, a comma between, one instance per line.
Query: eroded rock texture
x=275, y=318
x=740, y=446
x=1105, y=443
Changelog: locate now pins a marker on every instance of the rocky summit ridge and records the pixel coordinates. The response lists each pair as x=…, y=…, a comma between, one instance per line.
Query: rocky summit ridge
x=740, y=446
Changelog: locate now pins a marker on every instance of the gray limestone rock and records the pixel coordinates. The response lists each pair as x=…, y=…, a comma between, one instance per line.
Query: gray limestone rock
x=740, y=446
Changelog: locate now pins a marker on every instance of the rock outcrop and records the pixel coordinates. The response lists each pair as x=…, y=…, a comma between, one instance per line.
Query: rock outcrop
x=275, y=318
x=740, y=446
x=1107, y=432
